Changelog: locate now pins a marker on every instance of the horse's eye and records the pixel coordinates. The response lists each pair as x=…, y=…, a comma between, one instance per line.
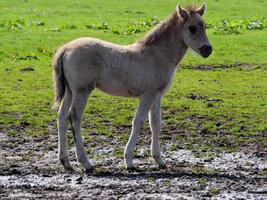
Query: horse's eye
x=193, y=29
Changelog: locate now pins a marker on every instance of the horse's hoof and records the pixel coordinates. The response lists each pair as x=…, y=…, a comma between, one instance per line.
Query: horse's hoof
x=129, y=165
x=131, y=169
x=89, y=170
x=69, y=168
x=163, y=166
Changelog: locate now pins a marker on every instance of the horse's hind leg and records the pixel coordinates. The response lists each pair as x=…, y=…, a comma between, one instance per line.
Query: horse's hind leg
x=79, y=99
x=62, y=124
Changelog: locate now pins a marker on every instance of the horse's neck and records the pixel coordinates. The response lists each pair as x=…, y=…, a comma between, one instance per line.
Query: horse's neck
x=172, y=46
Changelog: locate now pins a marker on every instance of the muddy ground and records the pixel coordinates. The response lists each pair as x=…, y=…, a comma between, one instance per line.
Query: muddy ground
x=29, y=169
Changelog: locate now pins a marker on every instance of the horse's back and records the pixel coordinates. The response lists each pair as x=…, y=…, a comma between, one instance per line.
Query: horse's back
x=121, y=70
x=92, y=61
x=83, y=61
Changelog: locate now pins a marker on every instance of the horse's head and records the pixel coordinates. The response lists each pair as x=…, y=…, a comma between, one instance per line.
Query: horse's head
x=194, y=30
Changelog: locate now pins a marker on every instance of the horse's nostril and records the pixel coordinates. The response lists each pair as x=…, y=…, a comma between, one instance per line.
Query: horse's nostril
x=205, y=50
x=208, y=49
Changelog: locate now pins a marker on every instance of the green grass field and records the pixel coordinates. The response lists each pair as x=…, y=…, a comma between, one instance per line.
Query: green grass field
x=222, y=107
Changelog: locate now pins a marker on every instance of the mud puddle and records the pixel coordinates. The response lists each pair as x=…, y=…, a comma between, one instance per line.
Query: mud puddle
x=29, y=169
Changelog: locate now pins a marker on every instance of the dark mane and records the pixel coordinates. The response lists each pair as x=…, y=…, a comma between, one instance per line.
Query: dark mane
x=164, y=28
x=191, y=9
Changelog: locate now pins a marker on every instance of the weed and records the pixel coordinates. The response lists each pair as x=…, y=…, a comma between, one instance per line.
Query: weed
x=102, y=26
x=16, y=24
x=45, y=51
x=214, y=191
x=51, y=147
x=119, y=153
x=226, y=26
x=174, y=147
x=264, y=172
x=70, y=26
x=140, y=26
x=203, y=182
x=167, y=183
x=151, y=179
x=89, y=151
x=208, y=128
x=37, y=23
x=13, y=133
x=55, y=29
x=255, y=24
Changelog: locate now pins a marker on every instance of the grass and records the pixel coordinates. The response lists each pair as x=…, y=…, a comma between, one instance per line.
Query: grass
x=215, y=191
x=224, y=108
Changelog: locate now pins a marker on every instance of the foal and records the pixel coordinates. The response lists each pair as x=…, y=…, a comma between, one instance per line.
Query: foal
x=144, y=69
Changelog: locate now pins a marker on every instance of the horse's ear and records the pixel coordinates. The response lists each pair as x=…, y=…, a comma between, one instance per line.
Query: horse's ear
x=182, y=12
x=201, y=10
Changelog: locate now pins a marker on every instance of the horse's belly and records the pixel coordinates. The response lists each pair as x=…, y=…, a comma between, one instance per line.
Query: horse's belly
x=117, y=88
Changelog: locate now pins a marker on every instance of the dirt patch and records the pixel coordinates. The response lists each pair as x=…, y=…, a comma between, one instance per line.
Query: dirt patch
x=27, y=69
x=29, y=169
x=243, y=66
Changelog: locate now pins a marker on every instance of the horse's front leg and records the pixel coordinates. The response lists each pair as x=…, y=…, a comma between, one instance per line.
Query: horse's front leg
x=155, y=123
x=145, y=101
x=76, y=112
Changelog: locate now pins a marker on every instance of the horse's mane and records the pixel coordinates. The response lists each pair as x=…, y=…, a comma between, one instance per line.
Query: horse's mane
x=162, y=28
x=165, y=27
x=191, y=8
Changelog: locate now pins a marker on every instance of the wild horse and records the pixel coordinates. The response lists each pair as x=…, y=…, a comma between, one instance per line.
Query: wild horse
x=144, y=69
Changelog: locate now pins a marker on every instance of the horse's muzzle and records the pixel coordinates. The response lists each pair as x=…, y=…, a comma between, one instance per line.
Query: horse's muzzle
x=205, y=50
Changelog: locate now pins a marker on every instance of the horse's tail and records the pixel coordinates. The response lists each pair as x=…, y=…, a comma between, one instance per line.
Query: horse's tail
x=59, y=78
